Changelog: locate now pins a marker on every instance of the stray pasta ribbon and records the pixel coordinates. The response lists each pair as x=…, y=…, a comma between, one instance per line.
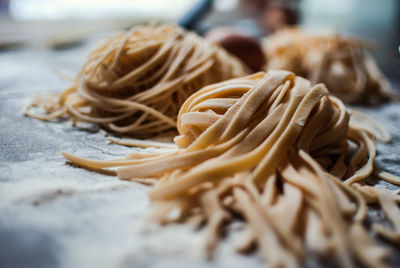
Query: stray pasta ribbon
x=277, y=153
x=342, y=64
x=136, y=81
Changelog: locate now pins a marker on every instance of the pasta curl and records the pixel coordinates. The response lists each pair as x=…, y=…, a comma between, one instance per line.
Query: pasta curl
x=342, y=64
x=136, y=81
x=280, y=153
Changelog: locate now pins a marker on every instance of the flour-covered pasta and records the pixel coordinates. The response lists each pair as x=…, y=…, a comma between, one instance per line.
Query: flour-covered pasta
x=279, y=153
x=136, y=81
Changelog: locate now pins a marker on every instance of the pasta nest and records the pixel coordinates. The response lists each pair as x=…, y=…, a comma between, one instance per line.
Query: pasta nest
x=342, y=64
x=136, y=81
x=278, y=153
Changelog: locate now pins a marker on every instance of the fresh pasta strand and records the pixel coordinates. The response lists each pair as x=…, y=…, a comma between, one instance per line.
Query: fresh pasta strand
x=342, y=64
x=135, y=82
x=278, y=151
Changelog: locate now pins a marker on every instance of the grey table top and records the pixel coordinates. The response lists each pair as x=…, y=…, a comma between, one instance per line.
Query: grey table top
x=56, y=215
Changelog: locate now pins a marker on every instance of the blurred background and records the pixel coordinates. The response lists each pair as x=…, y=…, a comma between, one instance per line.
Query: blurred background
x=66, y=24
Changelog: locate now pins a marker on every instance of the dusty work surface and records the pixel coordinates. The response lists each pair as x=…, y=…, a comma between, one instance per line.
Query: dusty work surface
x=56, y=215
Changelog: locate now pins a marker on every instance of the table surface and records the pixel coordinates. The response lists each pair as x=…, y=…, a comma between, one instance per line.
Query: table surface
x=55, y=215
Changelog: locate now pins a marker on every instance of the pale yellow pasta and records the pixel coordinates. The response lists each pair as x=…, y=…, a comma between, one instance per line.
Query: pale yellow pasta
x=136, y=81
x=279, y=152
x=342, y=64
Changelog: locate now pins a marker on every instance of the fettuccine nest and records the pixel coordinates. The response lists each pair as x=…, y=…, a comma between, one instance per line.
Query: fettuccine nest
x=136, y=82
x=342, y=64
x=278, y=153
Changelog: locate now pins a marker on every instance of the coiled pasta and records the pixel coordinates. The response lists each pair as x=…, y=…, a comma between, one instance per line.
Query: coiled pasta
x=281, y=154
x=342, y=64
x=136, y=81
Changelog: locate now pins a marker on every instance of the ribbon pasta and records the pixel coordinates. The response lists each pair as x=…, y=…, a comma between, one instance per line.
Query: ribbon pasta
x=279, y=153
x=135, y=82
x=342, y=64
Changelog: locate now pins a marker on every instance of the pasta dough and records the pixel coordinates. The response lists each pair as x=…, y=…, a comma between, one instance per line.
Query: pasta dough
x=135, y=82
x=279, y=153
